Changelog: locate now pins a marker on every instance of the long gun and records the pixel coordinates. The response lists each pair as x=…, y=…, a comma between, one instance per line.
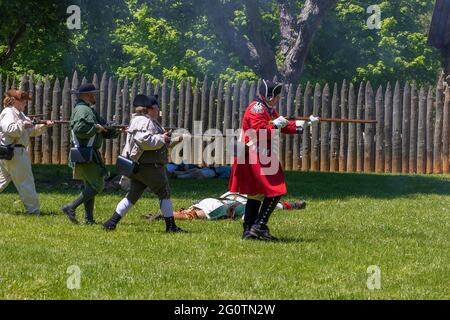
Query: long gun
x=36, y=121
x=333, y=120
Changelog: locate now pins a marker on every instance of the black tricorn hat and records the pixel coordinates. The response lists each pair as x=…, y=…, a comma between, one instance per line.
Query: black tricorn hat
x=86, y=88
x=142, y=100
x=270, y=89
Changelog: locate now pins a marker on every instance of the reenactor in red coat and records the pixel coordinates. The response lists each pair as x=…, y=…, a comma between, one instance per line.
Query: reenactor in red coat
x=257, y=171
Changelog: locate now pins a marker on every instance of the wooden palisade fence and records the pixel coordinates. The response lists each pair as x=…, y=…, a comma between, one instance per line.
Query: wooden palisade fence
x=412, y=134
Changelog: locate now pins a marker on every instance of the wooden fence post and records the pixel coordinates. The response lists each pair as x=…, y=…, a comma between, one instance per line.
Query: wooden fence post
x=188, y=106
x=379, y=155
x=359, y=129
x=406, y=127
x=306, y=139
x=56, y=115
x=344, y=129
x=352, y=137
x=196, y=105
x=212, y=107
x=125, y=114
x=413, y=131
x=281, y=137
x=446, y=133
x=289, y=152
x=228, y=107
x=173, y=107
x=65, y=128
x=181, y=101
x=164, y=104
x=430, y=130
x=296, y=165
x=142, y=85
x=422, y=133
x=46, y=110
x=369, y=163
x=109, y=117
x=97, y=95
x=204, y=106
x=235, y=107
x=315, y=144
x=335, y=134
x=397, y=131
x=117, y=117
x=325, y=131
x=388, y=119
x=437, y=143
x=38, y=109
x=219, y=109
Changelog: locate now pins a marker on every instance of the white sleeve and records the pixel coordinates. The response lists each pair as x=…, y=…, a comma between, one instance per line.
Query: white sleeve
x=148, y=141
x=10, y=126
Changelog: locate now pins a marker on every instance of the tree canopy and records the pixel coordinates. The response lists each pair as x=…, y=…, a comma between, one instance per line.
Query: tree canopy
x=239, y=39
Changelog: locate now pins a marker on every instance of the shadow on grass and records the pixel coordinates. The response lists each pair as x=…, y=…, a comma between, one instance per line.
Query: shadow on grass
x=301, y=185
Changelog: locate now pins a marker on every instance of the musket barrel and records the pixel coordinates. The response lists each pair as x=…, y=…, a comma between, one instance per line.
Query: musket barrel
x=336, y=120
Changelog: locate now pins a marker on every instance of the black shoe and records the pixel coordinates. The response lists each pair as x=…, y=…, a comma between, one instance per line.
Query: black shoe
x=111, y=224
x=70, y=213
x=262, y=232
x=90, y=222
x=176, y=230
x=171, y=227
x=248, y=236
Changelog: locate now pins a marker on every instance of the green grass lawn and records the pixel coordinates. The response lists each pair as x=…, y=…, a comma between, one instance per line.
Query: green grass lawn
x=353, y=221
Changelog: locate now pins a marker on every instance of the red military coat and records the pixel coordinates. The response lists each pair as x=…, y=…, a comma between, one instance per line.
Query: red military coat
x=257, y=177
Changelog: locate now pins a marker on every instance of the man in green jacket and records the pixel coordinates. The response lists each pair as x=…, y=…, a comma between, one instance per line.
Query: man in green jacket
x=87, y=130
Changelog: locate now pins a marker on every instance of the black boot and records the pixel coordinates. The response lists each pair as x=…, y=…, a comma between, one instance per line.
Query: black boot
x=111, y=224
x=89, y=209
x=250, y=216
x=171, y=226
x=247, y=235
x=70, y=209
x=260, y=228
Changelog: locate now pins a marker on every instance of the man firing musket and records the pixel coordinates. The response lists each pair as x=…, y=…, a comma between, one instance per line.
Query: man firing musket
x=88, y=131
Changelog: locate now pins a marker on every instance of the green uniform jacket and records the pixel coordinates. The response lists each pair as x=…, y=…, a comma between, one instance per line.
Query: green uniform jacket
x=82, y=123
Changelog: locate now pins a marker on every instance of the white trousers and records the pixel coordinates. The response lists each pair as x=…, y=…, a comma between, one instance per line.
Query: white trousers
x=18, y=170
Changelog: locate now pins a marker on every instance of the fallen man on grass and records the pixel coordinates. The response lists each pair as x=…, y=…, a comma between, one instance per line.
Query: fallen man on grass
x=228, y=206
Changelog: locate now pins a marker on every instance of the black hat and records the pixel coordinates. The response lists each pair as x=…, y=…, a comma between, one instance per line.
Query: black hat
x=270, y=89
x=86, y=88
x=153, y=100
x=142, y=100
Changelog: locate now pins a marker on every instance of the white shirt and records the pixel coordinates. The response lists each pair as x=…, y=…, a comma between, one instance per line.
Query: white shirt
x=12, y=129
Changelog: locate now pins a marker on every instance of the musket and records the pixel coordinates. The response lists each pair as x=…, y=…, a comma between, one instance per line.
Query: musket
x=37, y=121
x=333, y=120
x=115, y=126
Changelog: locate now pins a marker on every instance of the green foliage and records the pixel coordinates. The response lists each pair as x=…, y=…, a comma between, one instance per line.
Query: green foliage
x=346, y=48
x=41, y=48
x=173, y=39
